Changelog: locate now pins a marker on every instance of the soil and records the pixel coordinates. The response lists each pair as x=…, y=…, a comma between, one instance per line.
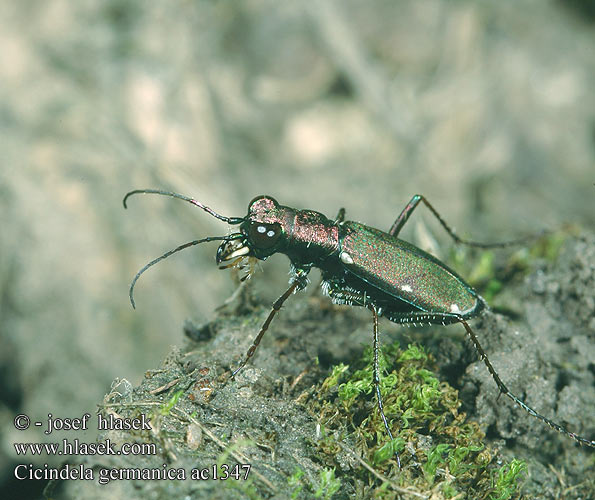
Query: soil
x=544, y=354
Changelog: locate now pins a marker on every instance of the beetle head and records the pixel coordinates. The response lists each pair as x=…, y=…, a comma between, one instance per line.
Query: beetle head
x=263, y=231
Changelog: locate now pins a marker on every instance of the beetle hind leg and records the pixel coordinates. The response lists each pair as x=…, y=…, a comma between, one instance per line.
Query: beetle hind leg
x=504, y=390
x=414, y=202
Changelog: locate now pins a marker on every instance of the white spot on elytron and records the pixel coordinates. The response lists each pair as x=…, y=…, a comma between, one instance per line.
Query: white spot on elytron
x=346, y=258
x=238, y=252
x=406, y=288
x=454, y=308
x=261, y=229
x=271, y=233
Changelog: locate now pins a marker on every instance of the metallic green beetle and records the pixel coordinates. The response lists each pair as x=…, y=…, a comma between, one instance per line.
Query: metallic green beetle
x=360, y=266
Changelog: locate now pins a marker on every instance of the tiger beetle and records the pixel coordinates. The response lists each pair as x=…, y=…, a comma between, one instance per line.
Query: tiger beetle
x=360, y=266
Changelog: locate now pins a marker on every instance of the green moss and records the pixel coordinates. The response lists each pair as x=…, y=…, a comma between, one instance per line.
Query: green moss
x=505, y=479
x=441, y=452
x=328, y=484
x=171, y=402
x=324, y=487
x=295, y=482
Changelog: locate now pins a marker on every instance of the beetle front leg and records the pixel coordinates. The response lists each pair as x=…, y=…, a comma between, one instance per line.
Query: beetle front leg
x=414, y=202
x=298, y=283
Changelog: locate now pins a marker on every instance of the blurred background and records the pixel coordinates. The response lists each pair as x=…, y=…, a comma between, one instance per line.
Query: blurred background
x=487, y=108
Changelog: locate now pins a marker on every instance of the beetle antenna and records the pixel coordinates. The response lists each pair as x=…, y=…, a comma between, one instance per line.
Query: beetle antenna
x=210, y=211
x=234, y=236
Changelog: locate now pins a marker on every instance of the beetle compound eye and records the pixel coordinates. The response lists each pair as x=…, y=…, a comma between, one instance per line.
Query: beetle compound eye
x=264, y=235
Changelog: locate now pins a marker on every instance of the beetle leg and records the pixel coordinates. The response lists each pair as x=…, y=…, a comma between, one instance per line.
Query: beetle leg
x=445, y=319
x=374, y=310
x=298, y=283
x=276, y=307
x=410, y=207
x=504, y=390
x=340, y=216
x=347, y=296
x=395, y=229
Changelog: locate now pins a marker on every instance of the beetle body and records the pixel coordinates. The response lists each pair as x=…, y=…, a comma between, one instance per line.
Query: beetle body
x=360, y=266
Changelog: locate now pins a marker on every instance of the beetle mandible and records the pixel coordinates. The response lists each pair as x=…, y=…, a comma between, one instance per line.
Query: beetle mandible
x=360, y=266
